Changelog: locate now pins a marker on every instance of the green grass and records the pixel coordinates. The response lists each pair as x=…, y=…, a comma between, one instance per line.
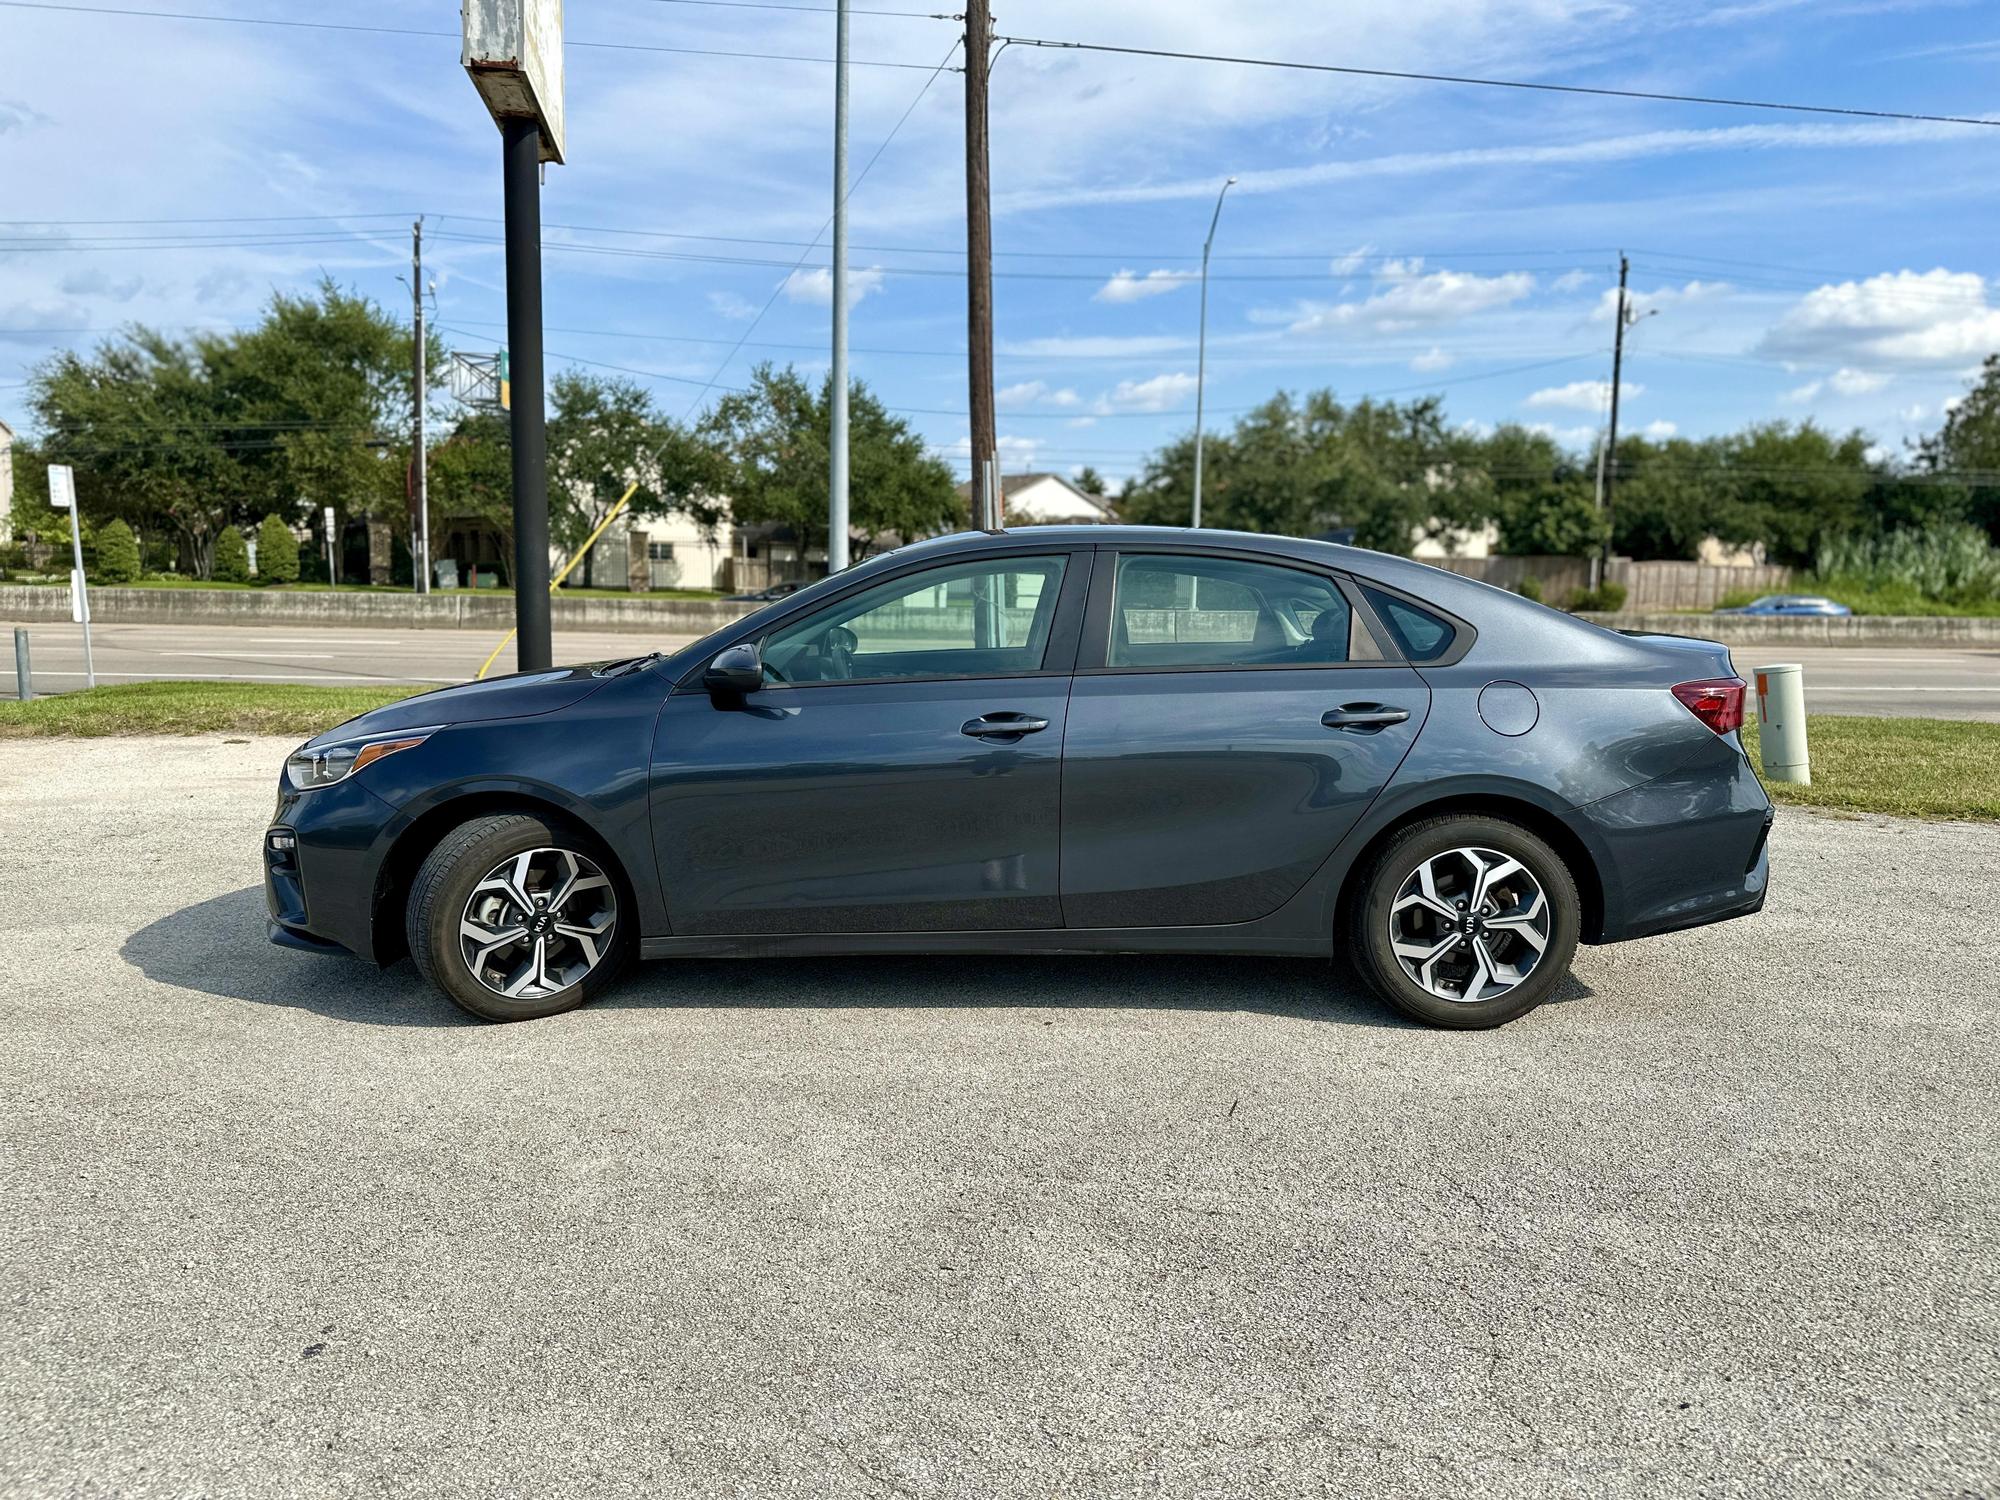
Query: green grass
x=191, y=708
x=1913, y=768
x=176, y=581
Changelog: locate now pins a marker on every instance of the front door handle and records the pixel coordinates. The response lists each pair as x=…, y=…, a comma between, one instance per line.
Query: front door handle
x=1365, y=716
x=1003, y=726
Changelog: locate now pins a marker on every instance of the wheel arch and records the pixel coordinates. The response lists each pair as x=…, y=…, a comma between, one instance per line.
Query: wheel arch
x=413, y=843
x=1539, y=820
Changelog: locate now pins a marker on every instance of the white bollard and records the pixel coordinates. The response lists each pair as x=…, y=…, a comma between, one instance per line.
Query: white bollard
x=1781, y=723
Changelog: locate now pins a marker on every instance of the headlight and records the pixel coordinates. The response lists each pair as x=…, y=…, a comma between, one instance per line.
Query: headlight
x=312, y=766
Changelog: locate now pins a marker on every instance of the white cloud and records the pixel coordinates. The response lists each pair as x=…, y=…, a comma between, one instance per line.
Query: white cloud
x=1160, y=393
x=1571, y=281
x=1130, y=286
x=1416, y=299
x=1029, y=392
x=1351, y=262
x=1842, y=382
x=1905, y=319
x=1915, y=412
x=1434, y=359
x=1661, y=297
x=1569, y=437
x=1661, y=430
x=1582, y=395
x=815, y=287
x=736, y=309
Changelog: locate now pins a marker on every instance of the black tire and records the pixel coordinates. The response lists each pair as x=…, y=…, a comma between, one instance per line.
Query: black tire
x=446, y=883
x=1367, y=930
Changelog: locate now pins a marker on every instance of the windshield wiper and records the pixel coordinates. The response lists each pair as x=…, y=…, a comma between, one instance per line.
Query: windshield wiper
x=628, y=664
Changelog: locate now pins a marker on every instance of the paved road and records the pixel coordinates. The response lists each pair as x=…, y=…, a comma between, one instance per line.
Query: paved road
x=1924, y=682
x=1724, y=1221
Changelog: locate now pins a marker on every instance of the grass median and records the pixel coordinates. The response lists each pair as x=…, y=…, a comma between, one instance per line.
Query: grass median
x=1913, y=768
x=191, y=708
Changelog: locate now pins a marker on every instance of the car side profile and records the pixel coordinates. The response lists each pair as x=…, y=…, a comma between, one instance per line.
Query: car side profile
x=1054, y=740
x=1790, y=604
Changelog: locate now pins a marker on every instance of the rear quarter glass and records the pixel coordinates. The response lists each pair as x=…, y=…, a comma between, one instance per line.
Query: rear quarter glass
x=1421, y=634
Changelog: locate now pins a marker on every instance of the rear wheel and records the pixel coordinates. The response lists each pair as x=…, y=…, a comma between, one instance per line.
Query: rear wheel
x=517, y=916
x=1464, y=921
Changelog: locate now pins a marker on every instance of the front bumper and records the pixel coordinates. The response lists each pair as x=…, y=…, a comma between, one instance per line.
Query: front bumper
x=319, y=889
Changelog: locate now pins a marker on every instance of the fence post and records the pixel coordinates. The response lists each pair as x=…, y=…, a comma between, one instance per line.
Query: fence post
x=24, y=676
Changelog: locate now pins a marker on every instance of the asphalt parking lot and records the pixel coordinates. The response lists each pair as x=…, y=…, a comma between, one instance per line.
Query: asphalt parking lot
x=1722, y=1221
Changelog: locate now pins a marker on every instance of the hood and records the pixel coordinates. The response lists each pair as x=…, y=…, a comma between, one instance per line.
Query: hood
x=518, y=696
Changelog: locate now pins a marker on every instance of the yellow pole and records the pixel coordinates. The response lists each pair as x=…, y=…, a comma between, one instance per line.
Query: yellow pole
x=556, y=582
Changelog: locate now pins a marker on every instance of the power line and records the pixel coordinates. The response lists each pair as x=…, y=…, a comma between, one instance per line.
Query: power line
x=1498, y=83
x=183, y=15
x=817, y=10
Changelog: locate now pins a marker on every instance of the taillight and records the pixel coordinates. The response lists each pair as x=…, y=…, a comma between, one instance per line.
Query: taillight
x=1716, y=701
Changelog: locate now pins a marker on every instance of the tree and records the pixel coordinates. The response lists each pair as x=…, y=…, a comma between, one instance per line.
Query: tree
x=472, y=475
x=1543, y=503
x=232, y=556
x=1300, y=467
x=1966, y=450
x=1091, y=482
x=117, y=553
x=603, y=436
x=193, y=436
x=277, y=551
x=775, y=437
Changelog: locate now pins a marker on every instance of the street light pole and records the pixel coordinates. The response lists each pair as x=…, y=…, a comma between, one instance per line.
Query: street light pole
x=836, y=520
x=523, y=192
x=1201, y=357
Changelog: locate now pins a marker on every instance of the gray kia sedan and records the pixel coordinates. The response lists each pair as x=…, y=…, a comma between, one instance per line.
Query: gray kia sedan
x=1055, y=740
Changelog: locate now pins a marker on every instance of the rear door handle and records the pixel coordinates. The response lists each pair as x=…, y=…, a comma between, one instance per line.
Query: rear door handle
x=1363, y=716
x=1003, y=726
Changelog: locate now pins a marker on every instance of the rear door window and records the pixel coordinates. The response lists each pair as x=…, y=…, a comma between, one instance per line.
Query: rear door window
x=1185, y=611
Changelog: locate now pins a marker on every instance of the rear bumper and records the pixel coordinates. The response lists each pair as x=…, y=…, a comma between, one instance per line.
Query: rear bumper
x=1684, y=850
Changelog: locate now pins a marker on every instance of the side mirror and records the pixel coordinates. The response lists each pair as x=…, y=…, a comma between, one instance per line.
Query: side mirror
x=735, y=673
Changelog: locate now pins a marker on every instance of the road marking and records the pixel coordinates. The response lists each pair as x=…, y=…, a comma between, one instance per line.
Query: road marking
x=277, y=655
x=1863, y=688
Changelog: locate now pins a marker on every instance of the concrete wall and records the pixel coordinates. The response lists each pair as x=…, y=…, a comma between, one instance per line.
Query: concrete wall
x=404, y=611
x=1806, y=630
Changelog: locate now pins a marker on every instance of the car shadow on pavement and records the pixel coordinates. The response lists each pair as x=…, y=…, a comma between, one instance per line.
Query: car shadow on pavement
x=218, y=947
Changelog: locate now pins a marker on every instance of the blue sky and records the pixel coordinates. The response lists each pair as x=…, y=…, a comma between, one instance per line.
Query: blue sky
x=1385, y=238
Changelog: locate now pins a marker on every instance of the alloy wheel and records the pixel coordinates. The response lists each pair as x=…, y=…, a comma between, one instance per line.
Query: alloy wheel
x=1469, y=925
x=538, y=923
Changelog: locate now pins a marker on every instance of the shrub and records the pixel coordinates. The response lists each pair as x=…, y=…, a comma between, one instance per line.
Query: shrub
x=277, y=551
x=1607, y=598
x=1530, y=587
x=117, y=553
x=232, y=557
x=1943, y=562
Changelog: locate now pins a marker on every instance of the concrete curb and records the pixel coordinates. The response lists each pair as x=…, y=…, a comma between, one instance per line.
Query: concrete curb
x=1806, y=630
x=492, y=612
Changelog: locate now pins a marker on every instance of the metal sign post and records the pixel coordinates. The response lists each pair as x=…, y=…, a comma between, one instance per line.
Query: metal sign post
x=514, y=54
x=62, y=496
x=332, y=571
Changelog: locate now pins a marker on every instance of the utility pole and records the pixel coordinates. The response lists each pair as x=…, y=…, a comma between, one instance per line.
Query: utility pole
x=419, y=449
x=1201, y=357
x=1607, y=463
x=836, y=520
x=986, y=505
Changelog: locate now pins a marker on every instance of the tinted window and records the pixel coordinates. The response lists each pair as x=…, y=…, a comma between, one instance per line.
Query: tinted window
x=980, y=619
x=1212, y=611
x=1421, y=634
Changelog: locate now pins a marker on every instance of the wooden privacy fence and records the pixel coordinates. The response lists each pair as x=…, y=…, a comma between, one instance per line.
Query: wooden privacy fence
x=1648, y=585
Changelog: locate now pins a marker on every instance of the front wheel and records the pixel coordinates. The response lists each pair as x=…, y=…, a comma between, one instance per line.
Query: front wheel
x=1464, y=921
x=517, y=917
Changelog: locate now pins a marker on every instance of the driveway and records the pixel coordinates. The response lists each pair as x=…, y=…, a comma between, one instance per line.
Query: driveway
x=1722, y=1221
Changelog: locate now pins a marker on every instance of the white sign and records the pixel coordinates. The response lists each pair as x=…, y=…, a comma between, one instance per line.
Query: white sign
x=79, y=600
x=513, y=50
x=329, y=520
x=62, y=487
